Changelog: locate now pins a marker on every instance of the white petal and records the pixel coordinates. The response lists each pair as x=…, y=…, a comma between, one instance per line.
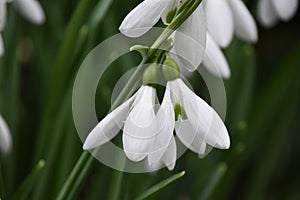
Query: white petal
x=266, y=13
x=140, y=126
x=204, y=118
x=143, y=17
x=165, y=128
x=190, y=40
x=1, y=45
x=109, y=127
x=244, y=24
x=170, y=156
x=214, y=60
x=2, y=14
x=286, y=9
x=5, y=136
x=219, y=21
x=190, y=137
x=31, y=9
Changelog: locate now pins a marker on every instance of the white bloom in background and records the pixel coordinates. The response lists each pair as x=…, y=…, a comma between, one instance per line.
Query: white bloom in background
x=271, y=11
x=1, y=45
x=226, y=17
x=190, y=37
x=31, y=10
x=2, y=14
x=138, y=117
x=5, y=136
x=214, y=60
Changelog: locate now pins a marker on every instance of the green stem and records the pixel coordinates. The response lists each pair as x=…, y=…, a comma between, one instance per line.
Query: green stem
x=2, y=189
x=62, y=69
x=85, y=161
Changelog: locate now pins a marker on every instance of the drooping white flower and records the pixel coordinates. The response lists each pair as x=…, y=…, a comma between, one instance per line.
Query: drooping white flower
x=271, y=11
x=31, y=10
x=190, y=40
x=196, y=124
x=5, y=136
x=190, y=37
x=137, y=115
x=226, y=17
x=214, y=60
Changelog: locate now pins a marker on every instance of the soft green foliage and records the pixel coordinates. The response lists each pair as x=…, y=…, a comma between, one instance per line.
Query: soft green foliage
x=36, y=78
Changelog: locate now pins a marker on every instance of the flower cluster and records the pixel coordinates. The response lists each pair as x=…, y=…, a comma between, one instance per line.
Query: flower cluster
x=271, y=11
x=29, y=9
x=149, y=133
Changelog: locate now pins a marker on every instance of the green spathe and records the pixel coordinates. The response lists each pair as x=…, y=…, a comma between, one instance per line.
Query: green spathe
x=170, y=69
x=150, y=76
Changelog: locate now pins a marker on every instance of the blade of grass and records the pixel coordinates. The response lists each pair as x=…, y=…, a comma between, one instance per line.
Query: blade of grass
x=27, y=185
x=160, y=186
x=62, y=68
x=214, y=180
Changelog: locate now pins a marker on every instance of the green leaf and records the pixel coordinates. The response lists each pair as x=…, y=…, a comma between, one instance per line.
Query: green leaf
x=160, y=186
x=26, y=187
x=214, y=180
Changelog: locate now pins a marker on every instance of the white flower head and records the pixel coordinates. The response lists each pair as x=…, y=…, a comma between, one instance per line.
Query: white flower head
x=197, y=125
x=31, y=10
x=214, y=59
x=226, y=17
x=5, y=136
x=271, y=11
x=137, y=115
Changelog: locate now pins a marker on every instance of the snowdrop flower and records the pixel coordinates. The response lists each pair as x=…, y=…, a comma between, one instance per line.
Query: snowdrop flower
x=190, y=37
x=226, y=17
x=271, y=11
x=5, y=136
x=214, y=60
x=143, y=17
x=31, y=10
x=196, y=123
x=137, y=118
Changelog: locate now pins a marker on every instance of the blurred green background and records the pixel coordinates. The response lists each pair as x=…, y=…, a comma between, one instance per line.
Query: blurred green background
x=36, y=79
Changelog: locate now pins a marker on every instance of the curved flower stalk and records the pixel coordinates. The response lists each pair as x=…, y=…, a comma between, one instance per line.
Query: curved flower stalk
x=196, y=123
x=271, y=11
x=5, y=136
x=189, y=38
x=226, y=17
